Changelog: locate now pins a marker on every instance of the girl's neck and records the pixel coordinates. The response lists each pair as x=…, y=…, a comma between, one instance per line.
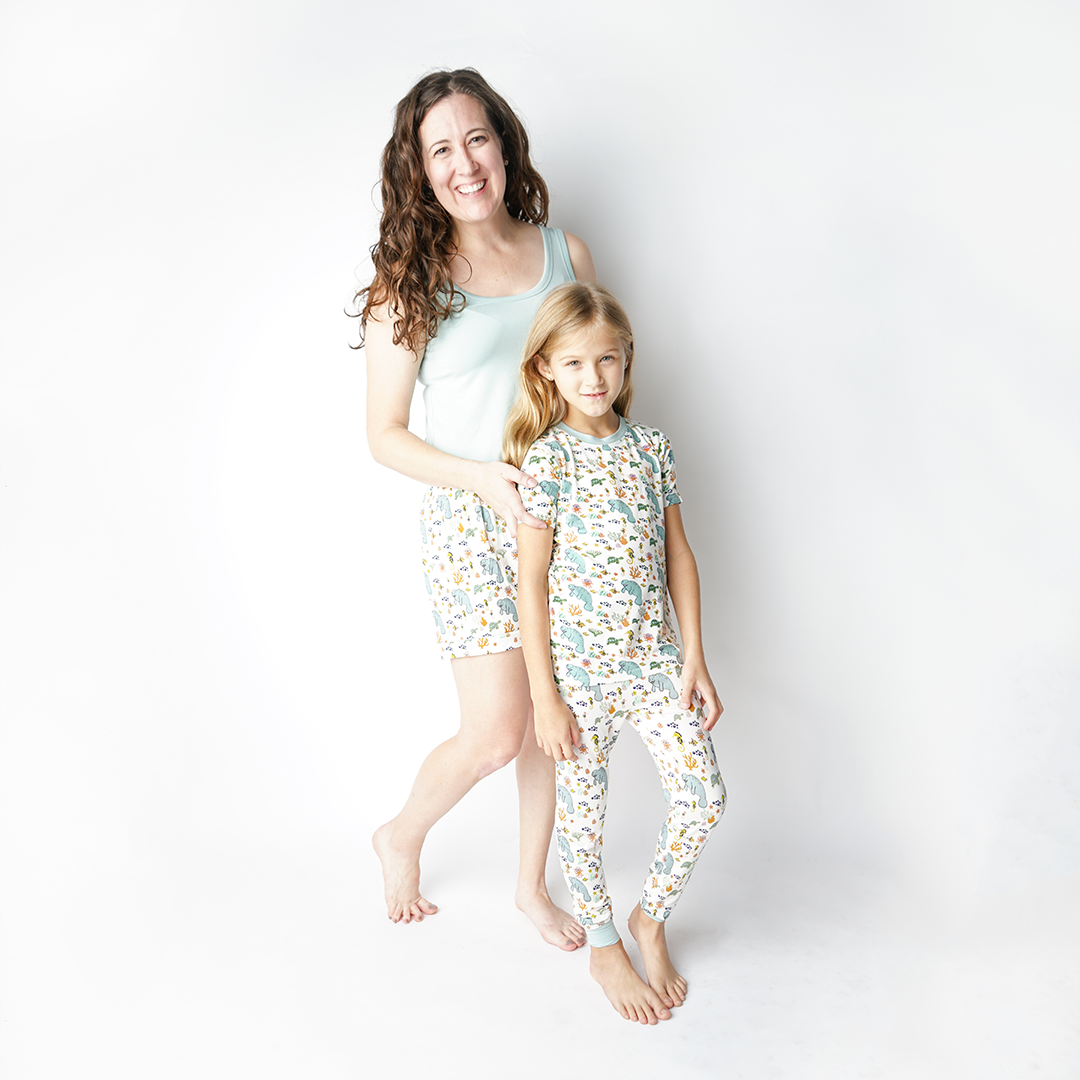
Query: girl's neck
x=596, y=427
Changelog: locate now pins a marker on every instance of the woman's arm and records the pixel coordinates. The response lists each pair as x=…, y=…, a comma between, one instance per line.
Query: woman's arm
x=685, y=588
x=391, y=378
x=556, y=730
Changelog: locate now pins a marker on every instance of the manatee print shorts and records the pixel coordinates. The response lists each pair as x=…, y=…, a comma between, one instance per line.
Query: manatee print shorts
x=470, y=562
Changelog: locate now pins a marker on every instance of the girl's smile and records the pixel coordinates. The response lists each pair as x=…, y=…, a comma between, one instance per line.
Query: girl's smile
x=588, y=370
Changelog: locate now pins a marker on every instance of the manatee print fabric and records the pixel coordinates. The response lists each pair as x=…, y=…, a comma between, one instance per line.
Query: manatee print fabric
x=606, y=500
x=693, y=788
x=470, y=565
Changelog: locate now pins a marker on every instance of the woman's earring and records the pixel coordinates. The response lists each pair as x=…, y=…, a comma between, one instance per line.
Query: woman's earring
x=506, y=161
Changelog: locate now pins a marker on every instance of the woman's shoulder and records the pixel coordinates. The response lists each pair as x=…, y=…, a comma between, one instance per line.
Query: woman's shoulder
x=580, y=257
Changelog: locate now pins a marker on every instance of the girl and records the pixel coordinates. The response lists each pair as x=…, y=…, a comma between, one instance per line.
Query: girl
x=596, y=632
x=463, y=260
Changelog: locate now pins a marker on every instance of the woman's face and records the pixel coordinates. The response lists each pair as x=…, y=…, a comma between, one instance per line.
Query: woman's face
x=463, y=159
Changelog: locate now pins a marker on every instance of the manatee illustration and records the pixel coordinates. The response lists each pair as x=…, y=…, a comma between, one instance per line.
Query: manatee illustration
x=630, y=668
x=620, y=507
x=572, y=556
x=663, y=866
x=439, y=623
x=632, y=433
x=443, y=503
x=558, y=447
x=694, y=785
x=662, y=682
x=491, y=566
x=583, y=595
x=563, y=795
x=633, y=588
x=663, y=835
x=459, y=596
x=669, y=650
x=653, y=499
x=573, y=636
x=574, y=522
x=508, y=607
x=564, y=846
x=578, y=673
x=427, y=585
x=550, y=489
x=484, y=515
x=600, y=776
x=423, y=532
x=575, y=884
x=649, y=460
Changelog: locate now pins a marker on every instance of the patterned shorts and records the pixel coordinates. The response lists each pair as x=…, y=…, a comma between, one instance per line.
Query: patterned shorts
x=470, y=563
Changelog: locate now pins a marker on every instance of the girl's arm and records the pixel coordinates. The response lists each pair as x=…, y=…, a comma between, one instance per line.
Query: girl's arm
x=391, y=378
x=685, y=589
x=556, y=730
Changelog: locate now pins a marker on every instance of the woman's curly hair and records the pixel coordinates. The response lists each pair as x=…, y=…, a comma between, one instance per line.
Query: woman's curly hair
x=416, y=235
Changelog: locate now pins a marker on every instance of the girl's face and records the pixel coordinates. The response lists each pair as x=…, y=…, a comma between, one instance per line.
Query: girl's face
x=587, y=369
x=463, y=159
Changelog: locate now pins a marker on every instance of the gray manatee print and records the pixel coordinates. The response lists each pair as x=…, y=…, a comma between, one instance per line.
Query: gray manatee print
x=653, y=499
x=583, y=595
x=550, y=489
x=580, y=887
x=572, y=556
x=573, y=636
x=628, y=667
x=564, y=845
x=439, y=623
x=574, y=522
x=663, y=835
x=560, y=449
x=669, y=650
x=696, y=787
x=443, y=503
x=662, y=682
x=508, y=607
x=484, y=515
x=562, y=793
x=663, y=866
x=427, y=585
x=491, y=566
x=633, y=588
x=459, y=596
x=649, y=460
x=600, y=776
x=620, y=507
x=423, y=532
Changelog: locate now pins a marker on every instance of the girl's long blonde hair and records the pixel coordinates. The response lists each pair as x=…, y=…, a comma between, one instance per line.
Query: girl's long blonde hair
x=567, y=310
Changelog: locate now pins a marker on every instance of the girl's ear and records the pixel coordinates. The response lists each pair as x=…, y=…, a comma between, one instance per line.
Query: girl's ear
x=543, y=367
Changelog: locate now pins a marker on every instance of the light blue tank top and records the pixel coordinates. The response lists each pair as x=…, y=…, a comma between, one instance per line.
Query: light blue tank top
x=470, y=368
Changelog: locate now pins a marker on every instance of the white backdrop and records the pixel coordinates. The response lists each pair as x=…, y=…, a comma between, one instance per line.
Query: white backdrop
x=847, y=235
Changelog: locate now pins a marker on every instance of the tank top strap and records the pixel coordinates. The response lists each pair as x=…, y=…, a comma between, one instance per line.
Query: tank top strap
x=557, y=253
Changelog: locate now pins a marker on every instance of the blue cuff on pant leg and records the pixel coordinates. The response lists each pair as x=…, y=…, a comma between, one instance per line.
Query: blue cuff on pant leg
x=604, y=934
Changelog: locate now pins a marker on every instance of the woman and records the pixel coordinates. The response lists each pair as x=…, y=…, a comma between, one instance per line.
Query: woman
x=462, y=263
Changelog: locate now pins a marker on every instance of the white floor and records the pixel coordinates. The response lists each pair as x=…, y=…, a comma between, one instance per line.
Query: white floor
x=208, y=955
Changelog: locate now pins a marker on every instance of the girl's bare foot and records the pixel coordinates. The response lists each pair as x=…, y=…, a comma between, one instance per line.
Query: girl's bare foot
x=611, y=968
x=659, y=970
x=556, y=926
x=401, y=878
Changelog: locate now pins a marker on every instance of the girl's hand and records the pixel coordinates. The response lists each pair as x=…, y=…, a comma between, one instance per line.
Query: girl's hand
x=698, y=689
x=497, y=484
x=557, y=732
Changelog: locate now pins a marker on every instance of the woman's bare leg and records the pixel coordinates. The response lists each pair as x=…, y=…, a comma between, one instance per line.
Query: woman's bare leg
x=494, y=718
x=536, y=801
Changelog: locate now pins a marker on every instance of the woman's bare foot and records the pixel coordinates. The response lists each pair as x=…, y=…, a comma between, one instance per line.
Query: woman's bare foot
x=557, y=927
x=401, y=879
x=611, y=968
x=659, y=970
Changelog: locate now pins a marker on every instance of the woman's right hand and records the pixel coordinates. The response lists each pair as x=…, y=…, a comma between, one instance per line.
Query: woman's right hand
x=497, y=484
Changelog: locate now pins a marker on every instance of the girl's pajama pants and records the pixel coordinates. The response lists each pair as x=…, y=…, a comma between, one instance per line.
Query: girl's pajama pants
x=693, y=788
